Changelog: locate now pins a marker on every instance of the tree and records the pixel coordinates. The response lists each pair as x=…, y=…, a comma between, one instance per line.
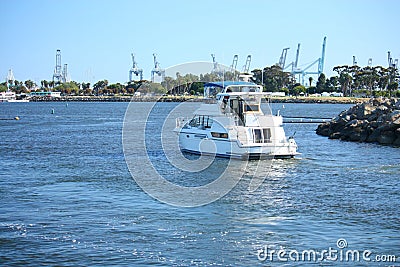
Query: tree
x=297, y=89
x=310, y=79
x=344, y=78
x=197, y=87
x=115, y=88
x=67, y=88
x=169, y=83
x=100, y=86
x=45, y=84
x=274, y=79
x=392, y=87
x=3, y=88
x=321, y=83
x=85, y=86
x=29, y=84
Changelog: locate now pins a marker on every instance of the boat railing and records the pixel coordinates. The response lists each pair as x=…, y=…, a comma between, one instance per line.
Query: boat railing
x=181, y=121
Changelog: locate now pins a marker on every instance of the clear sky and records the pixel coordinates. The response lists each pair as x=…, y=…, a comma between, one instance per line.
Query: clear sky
x=97, y=37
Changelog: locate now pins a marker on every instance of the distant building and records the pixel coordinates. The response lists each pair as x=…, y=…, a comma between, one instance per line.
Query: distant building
x=46, y=94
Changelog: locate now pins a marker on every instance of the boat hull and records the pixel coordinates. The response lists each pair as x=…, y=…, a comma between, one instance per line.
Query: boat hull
x=203, y=145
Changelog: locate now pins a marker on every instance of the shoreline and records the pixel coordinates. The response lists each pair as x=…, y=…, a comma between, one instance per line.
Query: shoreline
x=286, y=99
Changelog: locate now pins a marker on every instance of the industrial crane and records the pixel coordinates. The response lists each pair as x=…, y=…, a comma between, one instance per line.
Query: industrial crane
x=215, y=65
x=369, y=62
x=10, y=80
x=58, y=75
x=157, y=70
x=135, y=70
x=246, y=67
x=354, y=61
x=234, y=63
x=282, y=59
x=392, y=63
x=320, y=61
x=294, y=64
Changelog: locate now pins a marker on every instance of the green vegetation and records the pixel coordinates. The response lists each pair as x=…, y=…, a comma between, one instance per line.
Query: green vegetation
x=373, y=81
x=351, y=81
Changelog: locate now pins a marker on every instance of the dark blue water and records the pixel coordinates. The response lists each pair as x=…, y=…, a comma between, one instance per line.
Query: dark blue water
x=68, y=198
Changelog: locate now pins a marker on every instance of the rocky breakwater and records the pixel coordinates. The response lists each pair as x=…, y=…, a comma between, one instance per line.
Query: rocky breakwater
x=375, y=121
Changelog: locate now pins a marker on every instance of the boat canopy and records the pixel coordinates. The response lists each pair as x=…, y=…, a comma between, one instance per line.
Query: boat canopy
x=211, y=89
x=226, y=84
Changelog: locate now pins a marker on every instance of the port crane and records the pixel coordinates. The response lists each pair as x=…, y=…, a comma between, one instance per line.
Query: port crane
x=234, y=63
x=10, y=80
x=60, y=75
x=282, y=59
x=369, y=62
x=354, y=61
x=392, y=63
x=215, y=69
x=157, y=70
x=135, y=71
x=305, y=71
x=293, y=65
x=246, y=67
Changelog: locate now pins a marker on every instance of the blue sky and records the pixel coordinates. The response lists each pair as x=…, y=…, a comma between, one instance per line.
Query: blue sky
x=97, y=37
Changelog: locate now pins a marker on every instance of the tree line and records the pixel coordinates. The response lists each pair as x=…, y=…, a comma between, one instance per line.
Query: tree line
x=351, y=81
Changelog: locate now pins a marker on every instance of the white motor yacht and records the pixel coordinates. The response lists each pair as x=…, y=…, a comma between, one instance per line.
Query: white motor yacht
x=230, y=123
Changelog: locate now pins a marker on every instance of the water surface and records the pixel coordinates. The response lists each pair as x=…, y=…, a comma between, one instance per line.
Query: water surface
x=68, y=199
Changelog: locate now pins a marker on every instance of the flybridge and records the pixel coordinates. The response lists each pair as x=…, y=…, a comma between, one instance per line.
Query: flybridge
x=212, y=89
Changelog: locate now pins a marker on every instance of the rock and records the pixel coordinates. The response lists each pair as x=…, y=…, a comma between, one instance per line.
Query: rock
x=374, y=124
x=364, y=134
x=355, y=135
x=372, y=138
x=394, y=115
x=337, y=126
x=397, y=132
x=336, y=135
x=388, y=103
x=382, y=109
x=363, y=111
x=323, y=129
x=386, y=138
x=396, y=142
x=397, y=105
x=372, y=117
x=352, y=123
x=375, y=121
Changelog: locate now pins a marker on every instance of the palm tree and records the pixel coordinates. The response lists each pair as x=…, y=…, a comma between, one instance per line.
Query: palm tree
x=310, y=79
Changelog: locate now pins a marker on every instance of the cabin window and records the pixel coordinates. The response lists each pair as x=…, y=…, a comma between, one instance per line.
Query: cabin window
x=252, y=108
x=262, y=135
x=257, y=136
x=219, y=135
x=267, y=135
